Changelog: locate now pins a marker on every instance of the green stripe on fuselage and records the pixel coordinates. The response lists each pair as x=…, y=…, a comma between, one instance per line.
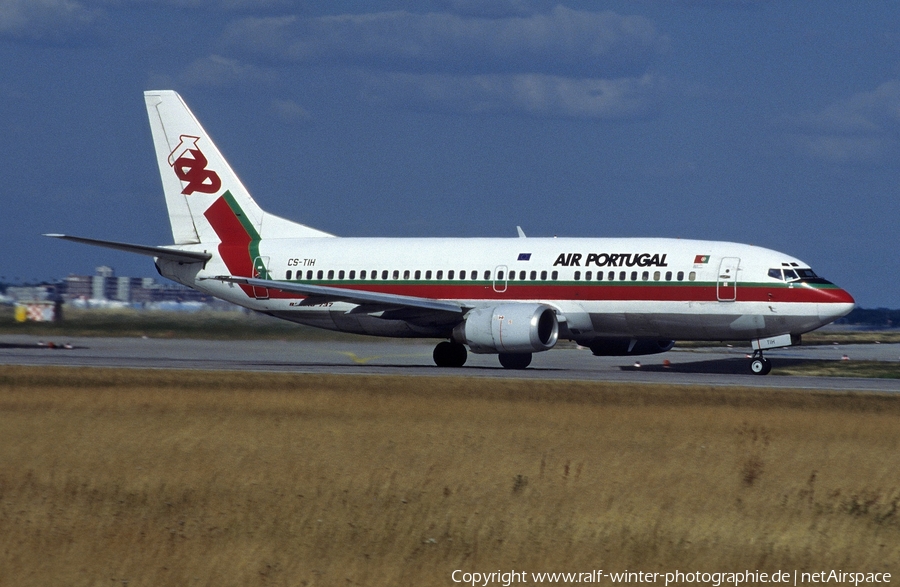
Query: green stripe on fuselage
x=253, y=247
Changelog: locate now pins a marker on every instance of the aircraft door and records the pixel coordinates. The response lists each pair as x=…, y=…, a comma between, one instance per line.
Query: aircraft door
x=726, y=284
x=500, y=277
x=261, y=271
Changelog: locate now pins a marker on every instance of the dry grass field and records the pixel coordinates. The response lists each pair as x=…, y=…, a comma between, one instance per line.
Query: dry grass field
x=162, y=478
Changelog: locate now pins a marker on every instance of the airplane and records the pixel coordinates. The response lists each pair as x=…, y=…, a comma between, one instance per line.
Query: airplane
x=506, y=296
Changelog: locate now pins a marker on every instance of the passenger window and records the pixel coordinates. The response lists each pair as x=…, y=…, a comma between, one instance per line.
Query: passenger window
x=500, y=275
x=512, y=275
x=396, y=274
x=588, y=275
x=634, y=276
x=521, y=276
x=599, y=276
x=341, y=274
x=384, y=274
x=554, y=276
x=462, y=274
x=428, y=274
x=692, y=276
x=533, y=275
x=450, y=274
x=487, y=274
x=621, y=276
x=611, y=276
x=418, y=274
x=681, y=276
x=543, y=275
x=288, y=274
x=362, y=274
x=406, y=274
x=319, y=274
x=331, y=274
x=577, y=275
x=645, y=276
x=353, y=275
x=656, y=275
x=668, y=276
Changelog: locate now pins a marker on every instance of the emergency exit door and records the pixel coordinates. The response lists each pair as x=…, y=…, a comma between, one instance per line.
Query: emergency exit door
x=261, y=271
x=726, y=284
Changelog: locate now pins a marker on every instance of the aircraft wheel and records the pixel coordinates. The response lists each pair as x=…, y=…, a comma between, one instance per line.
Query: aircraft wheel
x=515, y=360
x=760, y=366
x=449, y=354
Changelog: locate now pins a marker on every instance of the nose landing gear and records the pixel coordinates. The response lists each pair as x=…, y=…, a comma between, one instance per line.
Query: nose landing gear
x=760, y=365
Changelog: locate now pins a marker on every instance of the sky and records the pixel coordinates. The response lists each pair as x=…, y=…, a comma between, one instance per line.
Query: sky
x=769, y=122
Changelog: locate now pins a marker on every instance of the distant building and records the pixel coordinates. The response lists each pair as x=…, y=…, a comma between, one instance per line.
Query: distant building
x=104, y=290
x=33, y=293
x=105, y=286
x=37, y=303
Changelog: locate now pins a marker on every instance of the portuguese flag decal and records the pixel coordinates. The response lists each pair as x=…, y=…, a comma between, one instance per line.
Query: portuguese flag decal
x=701, y=259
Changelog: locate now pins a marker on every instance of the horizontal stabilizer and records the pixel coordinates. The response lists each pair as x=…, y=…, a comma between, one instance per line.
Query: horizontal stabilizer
x=160, y=252
x=377, y=301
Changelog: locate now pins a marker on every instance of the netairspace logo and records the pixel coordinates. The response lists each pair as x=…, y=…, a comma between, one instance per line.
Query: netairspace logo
x=513, y=577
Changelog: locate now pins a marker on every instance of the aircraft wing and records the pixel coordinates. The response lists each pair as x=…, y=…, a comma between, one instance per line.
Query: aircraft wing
x=393, y=306
x=161, y=252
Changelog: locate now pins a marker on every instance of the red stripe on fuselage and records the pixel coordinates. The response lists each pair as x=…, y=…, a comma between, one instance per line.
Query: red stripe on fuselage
x=234, y=248
x=660, y=293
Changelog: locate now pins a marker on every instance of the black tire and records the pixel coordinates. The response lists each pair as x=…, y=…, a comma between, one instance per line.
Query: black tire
x=760, y=366
x=449, y=354
x=515, y=360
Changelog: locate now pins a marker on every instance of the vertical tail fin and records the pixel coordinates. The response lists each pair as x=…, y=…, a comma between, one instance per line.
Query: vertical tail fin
x=206, y=200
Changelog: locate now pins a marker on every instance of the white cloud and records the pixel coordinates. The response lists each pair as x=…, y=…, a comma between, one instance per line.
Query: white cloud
x=506, y=58
x=290, y=111
x=218, y=71
x=723, y=3
x=561, y=42
x=489, y=8
x=44, y=20
x=533, y=94
x=862, y=128
x=236, y=5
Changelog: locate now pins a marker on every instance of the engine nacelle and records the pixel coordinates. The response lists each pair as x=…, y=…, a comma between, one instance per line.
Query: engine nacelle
x=620, y=347
x=509, y=328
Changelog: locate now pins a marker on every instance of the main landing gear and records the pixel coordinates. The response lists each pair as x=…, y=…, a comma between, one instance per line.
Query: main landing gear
x=453, y=354
x=760, y=365
x=449, y=354
x=515, y=360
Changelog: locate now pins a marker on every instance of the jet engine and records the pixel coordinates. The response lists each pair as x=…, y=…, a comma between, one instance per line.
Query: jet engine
x=509, y=328
x=620, y=347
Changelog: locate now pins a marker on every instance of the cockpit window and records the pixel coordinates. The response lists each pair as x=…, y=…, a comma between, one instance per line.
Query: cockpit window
x=791, y=274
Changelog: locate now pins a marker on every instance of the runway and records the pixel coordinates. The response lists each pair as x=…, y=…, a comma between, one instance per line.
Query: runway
x=704, y=366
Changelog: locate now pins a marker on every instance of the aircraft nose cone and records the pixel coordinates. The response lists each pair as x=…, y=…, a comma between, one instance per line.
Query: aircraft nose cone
x=838, y=304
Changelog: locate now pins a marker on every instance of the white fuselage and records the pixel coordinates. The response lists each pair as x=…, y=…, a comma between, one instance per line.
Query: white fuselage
x=632, y=287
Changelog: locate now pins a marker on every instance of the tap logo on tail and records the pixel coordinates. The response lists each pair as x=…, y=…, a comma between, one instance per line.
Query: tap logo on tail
x=189, y=164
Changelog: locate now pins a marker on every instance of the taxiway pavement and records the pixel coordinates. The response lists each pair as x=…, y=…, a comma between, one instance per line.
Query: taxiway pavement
x=704, y=366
